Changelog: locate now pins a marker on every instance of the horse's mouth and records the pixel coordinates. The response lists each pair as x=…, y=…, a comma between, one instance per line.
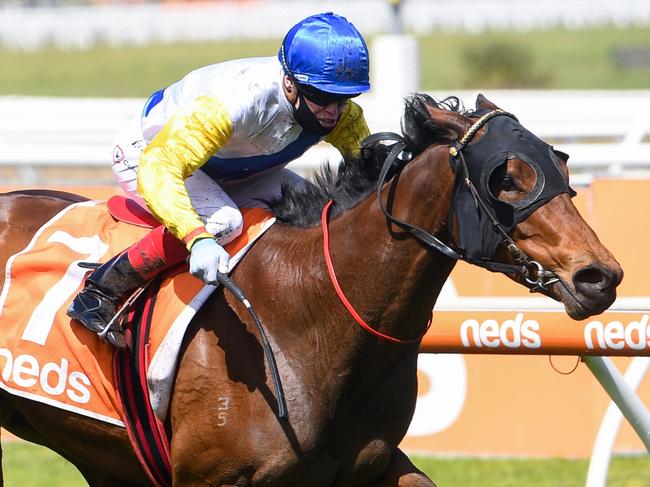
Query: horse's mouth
x=579, y=306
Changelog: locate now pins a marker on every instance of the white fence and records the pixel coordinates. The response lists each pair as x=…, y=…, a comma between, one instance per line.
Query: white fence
x=603, y=131
x=83, y=26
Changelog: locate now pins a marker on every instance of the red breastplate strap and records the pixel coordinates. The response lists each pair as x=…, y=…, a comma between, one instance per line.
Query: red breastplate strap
x=341, y=294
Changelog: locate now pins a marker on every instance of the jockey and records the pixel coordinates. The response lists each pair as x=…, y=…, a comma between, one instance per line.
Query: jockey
x=219, y=139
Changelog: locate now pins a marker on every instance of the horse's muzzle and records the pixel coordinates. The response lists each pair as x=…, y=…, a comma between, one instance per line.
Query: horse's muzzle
x=595, y=287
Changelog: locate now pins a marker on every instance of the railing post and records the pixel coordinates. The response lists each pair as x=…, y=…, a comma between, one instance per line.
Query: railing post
x=622, y=391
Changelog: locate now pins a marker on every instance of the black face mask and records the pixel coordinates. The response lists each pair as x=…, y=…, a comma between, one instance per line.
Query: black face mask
x=306, y=118
x=505, y=139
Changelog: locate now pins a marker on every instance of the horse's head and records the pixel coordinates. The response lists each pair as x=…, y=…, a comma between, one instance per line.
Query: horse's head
x=512, y=209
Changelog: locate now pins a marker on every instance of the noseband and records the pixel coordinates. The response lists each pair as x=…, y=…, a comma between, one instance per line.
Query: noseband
x=533, y=274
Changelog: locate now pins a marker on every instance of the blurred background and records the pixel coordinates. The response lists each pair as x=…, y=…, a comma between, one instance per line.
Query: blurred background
x=575, y=72
x=598, y=50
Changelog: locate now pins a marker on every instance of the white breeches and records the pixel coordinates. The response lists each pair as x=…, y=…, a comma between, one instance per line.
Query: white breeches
x=217, y=206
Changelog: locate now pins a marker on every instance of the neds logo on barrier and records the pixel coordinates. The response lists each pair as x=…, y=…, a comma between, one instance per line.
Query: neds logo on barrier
x=511, y=333
x=617, y=336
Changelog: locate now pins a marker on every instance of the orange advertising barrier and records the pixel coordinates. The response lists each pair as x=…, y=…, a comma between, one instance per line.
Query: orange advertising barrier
x=530, y=333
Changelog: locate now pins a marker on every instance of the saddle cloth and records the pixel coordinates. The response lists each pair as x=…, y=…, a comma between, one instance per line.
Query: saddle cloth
x=46, y=357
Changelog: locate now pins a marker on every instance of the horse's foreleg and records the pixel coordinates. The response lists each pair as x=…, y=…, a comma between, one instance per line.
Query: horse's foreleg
x=5, y=413
x=402, y=473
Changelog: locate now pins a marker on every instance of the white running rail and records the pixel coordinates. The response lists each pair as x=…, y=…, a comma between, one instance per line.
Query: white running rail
x=81, y=27
x=603, y=131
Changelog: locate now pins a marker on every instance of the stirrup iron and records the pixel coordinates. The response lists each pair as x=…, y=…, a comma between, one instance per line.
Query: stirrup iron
x=112, y=326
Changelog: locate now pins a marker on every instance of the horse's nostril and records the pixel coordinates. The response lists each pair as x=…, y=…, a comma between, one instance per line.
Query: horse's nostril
x=593, y=278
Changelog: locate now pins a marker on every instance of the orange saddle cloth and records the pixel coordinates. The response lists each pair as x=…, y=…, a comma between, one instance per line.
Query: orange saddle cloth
x=46, y=357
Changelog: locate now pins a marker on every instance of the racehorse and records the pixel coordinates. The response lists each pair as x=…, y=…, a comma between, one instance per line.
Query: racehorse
x=473, y=185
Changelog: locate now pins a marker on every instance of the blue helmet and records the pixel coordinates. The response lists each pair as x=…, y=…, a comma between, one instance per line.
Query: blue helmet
x=327, y=52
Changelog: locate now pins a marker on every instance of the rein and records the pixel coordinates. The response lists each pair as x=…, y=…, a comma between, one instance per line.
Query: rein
x=535, y=276
x=229, y=284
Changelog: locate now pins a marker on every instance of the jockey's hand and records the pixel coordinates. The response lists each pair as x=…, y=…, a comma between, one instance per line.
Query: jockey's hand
x=207, y=258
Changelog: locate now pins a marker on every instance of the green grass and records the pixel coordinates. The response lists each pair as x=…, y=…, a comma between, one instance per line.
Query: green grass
x=571, y=59
x=623, y=472
x=27, y=465
x=114, y=72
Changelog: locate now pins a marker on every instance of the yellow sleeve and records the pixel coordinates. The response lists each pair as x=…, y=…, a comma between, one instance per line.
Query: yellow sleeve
x=189, y=138
x=350, y=131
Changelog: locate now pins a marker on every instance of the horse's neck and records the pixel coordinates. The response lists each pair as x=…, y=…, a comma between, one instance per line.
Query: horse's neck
x=391, y=277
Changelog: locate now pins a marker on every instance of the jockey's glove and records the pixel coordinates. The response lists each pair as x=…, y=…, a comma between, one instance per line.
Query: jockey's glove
x=207, y=258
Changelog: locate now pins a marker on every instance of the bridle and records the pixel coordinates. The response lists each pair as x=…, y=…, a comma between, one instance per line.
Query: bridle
x=532, y=273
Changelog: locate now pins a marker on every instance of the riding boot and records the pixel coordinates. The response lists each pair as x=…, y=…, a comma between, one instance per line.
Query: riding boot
x=111, y=283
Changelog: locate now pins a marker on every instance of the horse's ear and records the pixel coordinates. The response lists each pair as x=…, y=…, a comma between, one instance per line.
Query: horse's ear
x=450, y=120
x=562, y=155
x=483, y=103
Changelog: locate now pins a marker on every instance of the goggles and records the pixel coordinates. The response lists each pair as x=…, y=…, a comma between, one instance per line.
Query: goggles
x=322, y=98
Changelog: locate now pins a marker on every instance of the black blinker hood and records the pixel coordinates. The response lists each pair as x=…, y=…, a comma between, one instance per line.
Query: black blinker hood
x=504, y=139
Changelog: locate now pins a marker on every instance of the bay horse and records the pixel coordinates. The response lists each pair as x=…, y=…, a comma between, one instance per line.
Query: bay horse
x=463, y=184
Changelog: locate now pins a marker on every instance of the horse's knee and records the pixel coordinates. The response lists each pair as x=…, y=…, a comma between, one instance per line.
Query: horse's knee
x=415, y=480
x=402, y=473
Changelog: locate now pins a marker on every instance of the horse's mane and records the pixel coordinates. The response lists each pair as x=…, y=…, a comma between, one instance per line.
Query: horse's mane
x=356, y=177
